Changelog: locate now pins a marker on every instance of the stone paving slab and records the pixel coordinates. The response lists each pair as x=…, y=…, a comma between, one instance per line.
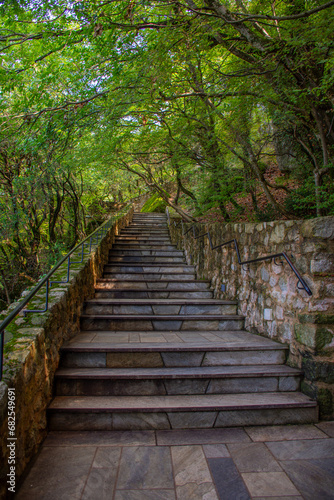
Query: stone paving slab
x=313, y=478
x=302, y=449
x=285, y=432
x=327, y=427
x=218, y=464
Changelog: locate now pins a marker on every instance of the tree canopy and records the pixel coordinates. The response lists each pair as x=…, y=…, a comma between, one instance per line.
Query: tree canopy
x=196, y=100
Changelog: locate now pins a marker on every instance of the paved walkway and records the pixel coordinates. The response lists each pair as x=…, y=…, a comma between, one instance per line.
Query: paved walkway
x=279, y=462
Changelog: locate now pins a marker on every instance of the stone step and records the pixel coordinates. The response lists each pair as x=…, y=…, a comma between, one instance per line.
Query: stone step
x=149, y=215
x=153, y=284
x=154, y=230
x=146, y=276
x=179, y=412
x=166, y=268
x=146, y=259
x=149, y=225
x=155, y=322
x=118, y=293
x=105, y=349
x=159, y=306
x=154, y=233
x=145, y=253
x=142, y=246
x=142, y=239
x=173, y=381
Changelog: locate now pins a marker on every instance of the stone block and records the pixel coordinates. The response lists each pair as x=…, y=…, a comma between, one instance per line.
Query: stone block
x=166, y=325
x=186, y=386
x=201, y=436
x=120, y=388
x=80, y=421
x=266, y=417
x=192, y=419
x=326, y=402
x=239, y=358
x=314, y=336
x=134, y=360
x=84, y=359
x=264, y=274
x=288, y=384
x=173, y=359
x=268, y=314
x=242, y=385
x=322, y=263
x=200, y=324
x=279, y=312
x=317, y=318
x=322, y=228
x=140, y=421
x=165, y=309
x=230, y=325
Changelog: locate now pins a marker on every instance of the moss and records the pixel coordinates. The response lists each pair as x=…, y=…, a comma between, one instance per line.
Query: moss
x=324, y=337
x=317, y=318
x=318, y=370
x=325, y=400
x=314, y=336
x=154, y=204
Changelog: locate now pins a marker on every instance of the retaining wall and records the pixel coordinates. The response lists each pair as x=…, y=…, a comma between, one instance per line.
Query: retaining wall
x=34, y=353
x=267, y=292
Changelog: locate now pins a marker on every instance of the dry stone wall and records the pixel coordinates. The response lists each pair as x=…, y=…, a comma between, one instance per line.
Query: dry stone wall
x=267, y=293
x=34, y=353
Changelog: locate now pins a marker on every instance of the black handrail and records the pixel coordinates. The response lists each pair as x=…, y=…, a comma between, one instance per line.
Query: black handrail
x=46, y=280
x=304, y=285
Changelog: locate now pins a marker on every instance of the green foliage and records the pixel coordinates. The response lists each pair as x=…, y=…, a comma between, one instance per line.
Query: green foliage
x=106, y=101
x=303, y=200
x=154, y=204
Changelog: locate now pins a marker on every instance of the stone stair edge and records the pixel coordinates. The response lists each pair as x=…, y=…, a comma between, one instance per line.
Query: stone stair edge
x=235, y=371
x=168, y=347
x=104, y=280
x=227, y=402
x=108, y=290
x=162, y=301
x=162, y=317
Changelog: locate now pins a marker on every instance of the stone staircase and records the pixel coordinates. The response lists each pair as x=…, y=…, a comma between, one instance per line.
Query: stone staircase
x=157, y=351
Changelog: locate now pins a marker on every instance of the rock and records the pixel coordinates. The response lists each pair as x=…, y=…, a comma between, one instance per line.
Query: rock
x=322, y=227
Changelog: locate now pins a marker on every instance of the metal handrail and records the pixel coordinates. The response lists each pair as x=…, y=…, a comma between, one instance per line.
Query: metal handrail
x=301, y=281
x=46, y=280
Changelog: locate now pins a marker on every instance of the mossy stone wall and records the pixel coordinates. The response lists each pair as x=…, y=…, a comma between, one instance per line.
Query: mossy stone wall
x=267, y=291
x=32, y=355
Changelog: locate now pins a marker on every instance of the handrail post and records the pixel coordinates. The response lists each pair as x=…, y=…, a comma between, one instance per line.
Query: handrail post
x=26, y=311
